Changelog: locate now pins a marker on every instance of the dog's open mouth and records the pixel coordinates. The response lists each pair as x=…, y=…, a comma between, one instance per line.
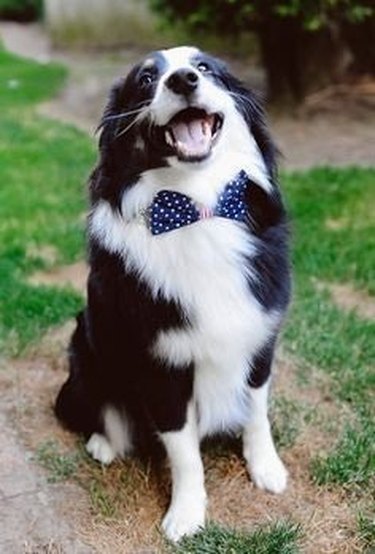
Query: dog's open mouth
x=192, y=133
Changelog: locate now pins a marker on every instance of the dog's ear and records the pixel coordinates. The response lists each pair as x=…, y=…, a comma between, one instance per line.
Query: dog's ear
x=109, y=122
x=117, y=166
x=104, y=179
x=250, y=106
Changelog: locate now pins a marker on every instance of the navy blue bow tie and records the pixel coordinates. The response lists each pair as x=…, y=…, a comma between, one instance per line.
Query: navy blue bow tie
x=171, y=210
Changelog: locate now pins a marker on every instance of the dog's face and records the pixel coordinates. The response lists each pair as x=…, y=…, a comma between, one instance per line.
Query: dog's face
x=179, y=107
x=189, y=103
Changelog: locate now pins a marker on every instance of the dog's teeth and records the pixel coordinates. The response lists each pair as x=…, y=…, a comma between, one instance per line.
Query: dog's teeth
x=168, y=138
x=182, y=148
x=206, y=128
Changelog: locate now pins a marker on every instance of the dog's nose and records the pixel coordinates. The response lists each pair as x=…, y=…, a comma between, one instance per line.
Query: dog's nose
x=183, y=81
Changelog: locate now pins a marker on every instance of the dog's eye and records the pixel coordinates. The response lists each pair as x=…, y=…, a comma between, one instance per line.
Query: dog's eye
x=146, y=79
x=203, y=67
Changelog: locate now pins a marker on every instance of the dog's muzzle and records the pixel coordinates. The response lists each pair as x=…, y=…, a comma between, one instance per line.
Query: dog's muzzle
x=191, y=134
x=183, y=81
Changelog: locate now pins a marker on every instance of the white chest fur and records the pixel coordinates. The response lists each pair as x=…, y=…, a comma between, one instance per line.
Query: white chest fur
x=203, y=268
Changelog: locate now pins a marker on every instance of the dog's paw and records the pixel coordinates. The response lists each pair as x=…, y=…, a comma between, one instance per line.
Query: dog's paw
x=269, y=473
x=183, y=519
x=100, y=449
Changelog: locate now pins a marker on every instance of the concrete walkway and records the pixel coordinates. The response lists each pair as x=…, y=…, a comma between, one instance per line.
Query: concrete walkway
x=30, y=521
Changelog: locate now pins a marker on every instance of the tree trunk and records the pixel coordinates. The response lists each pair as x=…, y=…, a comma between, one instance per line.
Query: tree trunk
x=297, y=61
x=360, y=39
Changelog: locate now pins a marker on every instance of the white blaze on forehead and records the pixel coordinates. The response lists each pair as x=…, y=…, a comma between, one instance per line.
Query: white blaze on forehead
x=148, y=63
x=180, y=56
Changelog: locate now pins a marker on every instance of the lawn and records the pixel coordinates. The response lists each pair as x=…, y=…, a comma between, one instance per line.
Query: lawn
x=43, y=169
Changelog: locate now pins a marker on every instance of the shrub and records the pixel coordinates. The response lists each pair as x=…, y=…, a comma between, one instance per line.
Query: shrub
x=301, y=41
x=21, y=10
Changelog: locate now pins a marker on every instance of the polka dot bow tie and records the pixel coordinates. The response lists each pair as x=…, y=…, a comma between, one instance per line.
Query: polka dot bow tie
x=171, y=210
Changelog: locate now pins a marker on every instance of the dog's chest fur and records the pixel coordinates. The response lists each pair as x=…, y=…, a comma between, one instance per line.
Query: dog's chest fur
x=205, y=268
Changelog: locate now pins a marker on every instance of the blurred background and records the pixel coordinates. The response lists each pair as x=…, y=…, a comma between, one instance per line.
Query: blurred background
x=308, y=59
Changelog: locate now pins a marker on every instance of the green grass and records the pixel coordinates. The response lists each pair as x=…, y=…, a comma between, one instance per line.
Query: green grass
x=60, y=466
x=43, y=169
x=352, y=462
x=345, y=196
x=102, y=503
x=366, y=524
x=23, y=83
x=318, y=332
x=277, y=538
x=287, y=418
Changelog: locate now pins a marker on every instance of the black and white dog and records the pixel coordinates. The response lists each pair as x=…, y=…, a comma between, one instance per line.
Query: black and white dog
x=189, y=277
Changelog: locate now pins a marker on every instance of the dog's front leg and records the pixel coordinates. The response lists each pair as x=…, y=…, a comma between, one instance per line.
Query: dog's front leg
x=186, y=513
x=264, y=465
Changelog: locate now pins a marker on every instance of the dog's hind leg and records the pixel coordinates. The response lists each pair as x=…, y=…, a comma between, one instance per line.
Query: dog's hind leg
x=78, y=405
x=264, y=465
x=115, y=441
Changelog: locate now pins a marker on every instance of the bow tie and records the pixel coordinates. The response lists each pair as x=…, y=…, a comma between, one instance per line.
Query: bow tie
x=171, y=210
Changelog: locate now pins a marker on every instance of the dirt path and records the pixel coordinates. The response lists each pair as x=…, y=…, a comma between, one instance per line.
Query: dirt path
x=33, y=512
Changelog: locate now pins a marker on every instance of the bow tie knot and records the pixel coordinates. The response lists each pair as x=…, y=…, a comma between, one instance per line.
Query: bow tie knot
x=171, y=210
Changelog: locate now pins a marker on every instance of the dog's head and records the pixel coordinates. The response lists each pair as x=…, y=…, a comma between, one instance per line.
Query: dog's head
x=178, y=107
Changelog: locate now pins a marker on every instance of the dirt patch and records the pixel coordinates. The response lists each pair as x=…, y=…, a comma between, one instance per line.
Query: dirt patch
x=116, y=509
x=33, y=513
x=120, y=507
x=328, y=521
x=350, y=299
x=45, y=252
x=73, y=275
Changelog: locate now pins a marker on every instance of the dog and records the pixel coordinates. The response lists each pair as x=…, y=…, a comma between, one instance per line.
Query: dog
x=189, y=277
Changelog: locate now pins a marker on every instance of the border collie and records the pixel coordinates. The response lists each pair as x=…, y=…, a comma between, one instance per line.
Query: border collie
x=189, y=278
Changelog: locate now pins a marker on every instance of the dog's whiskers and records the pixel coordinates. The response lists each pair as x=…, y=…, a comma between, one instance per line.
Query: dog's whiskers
x=126, y=114
x=245, y=101
x=128, y=127
x=240, y=97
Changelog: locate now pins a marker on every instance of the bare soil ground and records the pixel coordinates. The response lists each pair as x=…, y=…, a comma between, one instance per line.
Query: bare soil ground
x=350, y=299
x=117, y=510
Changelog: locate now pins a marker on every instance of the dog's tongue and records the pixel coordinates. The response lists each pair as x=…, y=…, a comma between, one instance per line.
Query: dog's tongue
x=193, y=138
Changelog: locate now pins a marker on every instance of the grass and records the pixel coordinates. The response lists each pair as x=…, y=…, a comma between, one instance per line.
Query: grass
x=43, y=168
x=318, y=332
x=352, y=462
x=24, y=83
x=287, y=416
x=277, y=538
x=60, y=466
x=366, y=524
x=319, y=197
